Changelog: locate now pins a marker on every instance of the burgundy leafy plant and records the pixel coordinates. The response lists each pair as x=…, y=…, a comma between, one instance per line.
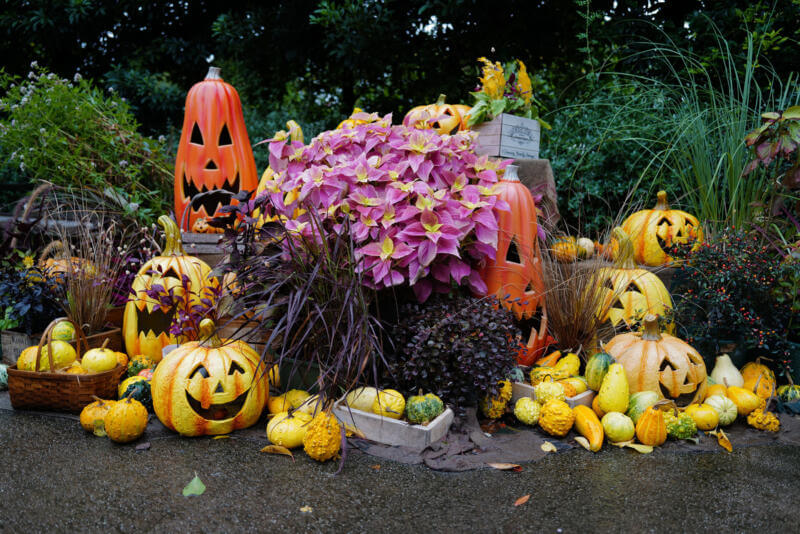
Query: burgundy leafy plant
x=777, y=139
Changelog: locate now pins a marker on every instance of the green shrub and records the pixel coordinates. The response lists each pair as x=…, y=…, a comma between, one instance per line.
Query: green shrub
x=71, y=134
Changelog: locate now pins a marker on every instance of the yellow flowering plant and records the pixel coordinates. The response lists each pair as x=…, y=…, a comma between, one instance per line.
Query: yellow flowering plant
x=504, y=89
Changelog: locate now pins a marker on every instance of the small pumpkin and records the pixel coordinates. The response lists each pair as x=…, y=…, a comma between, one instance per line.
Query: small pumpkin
x=588, y=425
x=122, y=358
x=789, y=393
x=585, y=248
x=63, y=330
x=758, y=378
x=63, y=356
x=651, y=428
x=420, y=409
x=596, y=369
x=556, y=418
x=100, y=359
x=322, y=440
x=125, y=384
x=288, y=430
x=704, y=416
x=725, y=408
x=125, y=421
x=745, y=400
x=618, y=427
x=655, y=231
x=141, y=392
x=389, y=403
x=95, y=411
x=565, y=250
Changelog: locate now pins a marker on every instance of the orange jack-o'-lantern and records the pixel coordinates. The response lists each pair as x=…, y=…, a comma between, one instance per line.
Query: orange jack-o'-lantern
x=214, y=159
x=515, y=276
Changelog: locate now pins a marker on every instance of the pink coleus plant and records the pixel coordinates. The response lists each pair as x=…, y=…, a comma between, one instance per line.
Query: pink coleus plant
x=418, y=205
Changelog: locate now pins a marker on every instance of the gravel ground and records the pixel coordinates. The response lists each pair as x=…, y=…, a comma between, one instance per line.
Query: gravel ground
x=59, y=478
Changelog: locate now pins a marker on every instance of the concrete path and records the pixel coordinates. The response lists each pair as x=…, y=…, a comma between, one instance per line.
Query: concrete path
x=58, y=478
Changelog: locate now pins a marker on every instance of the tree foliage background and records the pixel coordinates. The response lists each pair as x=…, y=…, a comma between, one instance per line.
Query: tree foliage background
x=314, y=60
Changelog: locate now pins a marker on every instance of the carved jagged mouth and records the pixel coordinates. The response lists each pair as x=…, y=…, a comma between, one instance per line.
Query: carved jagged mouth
x=218, y=412
x=210, y=199
x=154, y=322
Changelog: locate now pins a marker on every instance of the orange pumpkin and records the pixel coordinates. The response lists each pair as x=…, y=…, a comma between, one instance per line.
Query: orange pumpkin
x=211, y=386
x=214, y=154
x=444, y=118
x=656, y=230
x=651, y=429
x=515, y=276
x=659, y=362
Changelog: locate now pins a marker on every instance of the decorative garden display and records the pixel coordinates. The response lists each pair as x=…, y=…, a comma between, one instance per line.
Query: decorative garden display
x=659, y=362
x=214, y=154
x=146, y=326
x=630, y=292
x=209, y=386
x=655, y=230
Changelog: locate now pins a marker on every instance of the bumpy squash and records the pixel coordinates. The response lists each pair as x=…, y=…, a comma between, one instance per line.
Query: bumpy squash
x=125, y=421
x=323, y=439
x=540, y=374
x=746, y=401
x=423, y=408
x=614, y=392
x=95, y=411
x=596, y=369
x=588, y=425
x=651, y=428
x=527, y=410
x=556, y=418
x=680, y=426
x=704, y=416
x=618, y=427
x=763, y=420
x=547, y=391
x=725, y=408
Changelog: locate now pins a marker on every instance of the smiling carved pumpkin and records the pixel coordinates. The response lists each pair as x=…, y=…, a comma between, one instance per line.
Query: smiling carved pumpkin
x=145, y=324
x=210, y=387
x=215, y=158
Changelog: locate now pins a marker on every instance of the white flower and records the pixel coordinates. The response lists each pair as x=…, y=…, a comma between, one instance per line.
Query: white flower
x=123, y=163
x=34, y=64
x=77, y=77
x=22, y=166
x=31, y=75
x=162, y=138
x=42, y=131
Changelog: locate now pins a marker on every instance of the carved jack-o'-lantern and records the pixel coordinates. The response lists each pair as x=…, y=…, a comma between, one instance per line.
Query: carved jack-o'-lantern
x=444, y=118
x=210, y=387
x=146, y=324
x=654, y=231
x=214, y=154
x=630, y=293
x=515, y=276
x=659, y=362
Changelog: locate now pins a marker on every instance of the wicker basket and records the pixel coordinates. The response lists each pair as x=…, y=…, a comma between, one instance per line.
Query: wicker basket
x=58, y=390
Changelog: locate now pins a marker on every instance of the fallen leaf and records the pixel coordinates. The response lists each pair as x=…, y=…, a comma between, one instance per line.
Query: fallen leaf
x=99, y=428
x=143, y=446
x=225, y=436
x=638, y=447
x=306, y=509
x=722, y=439
x=522, y=500
x=278, y=449
x=583, y=442
x=376, y=467
x=353, y=431
x=504, y=467
x=195, y=487
x=548, y=447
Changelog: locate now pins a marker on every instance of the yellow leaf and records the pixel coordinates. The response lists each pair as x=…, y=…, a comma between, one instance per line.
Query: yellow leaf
x=621, y=444
x=306, y=509
x=522, y=500
x=278, y=449
x=638, y=447
x=583, y=442
x=222, y=437
x=99, y=428
x=548, y=447
x=722, y=439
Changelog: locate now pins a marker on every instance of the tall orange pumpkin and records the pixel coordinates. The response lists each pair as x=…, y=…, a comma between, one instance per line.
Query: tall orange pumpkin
x=214, y=154
x=515, y=276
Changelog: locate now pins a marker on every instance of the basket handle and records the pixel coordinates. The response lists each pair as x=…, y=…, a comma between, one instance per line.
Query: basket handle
x=47, y=337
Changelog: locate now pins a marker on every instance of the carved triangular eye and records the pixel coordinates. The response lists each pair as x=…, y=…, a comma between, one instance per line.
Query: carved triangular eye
x=201, y=370
x=225, y=136
x=171, y=273
x=235, y=367
x=512, y=256
x=197, y=137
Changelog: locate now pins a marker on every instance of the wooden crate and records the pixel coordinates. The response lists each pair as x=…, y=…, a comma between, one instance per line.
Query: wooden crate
x=203, y=246
x=508, y=136
x=521, y=389
x=393, y=431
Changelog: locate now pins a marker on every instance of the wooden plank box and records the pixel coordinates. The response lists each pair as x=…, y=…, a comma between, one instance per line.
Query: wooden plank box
x=393, y=431
x=508, y=136
x=520, y=389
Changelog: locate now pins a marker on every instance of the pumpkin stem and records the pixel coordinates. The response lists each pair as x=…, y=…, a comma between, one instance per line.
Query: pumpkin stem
x=208, y=334
x=173, y=246
x=214, y=73
x=625, y=253
x=105, y=343
x=651, y=331
x=440, y=100
x=661, y=203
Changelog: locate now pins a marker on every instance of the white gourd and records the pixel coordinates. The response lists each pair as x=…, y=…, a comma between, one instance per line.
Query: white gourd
x=726, y=373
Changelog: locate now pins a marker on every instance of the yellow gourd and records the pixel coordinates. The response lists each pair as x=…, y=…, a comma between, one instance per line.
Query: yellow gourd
x=569, y=364
x=323, y=440
x=651, y=429
x=614, y=392
x=704, y=416
x=556, y=418
x=588, y=425
x=716, y=389
x=389, y=403
x=288, y=430
x=746, y=401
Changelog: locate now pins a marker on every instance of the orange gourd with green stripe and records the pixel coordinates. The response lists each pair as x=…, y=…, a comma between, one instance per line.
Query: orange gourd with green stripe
x=654, y=231
x=209, y=387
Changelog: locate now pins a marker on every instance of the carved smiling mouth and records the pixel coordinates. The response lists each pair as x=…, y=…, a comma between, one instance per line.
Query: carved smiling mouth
x=218, y=412
x=210, y=199
x=154, y=322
